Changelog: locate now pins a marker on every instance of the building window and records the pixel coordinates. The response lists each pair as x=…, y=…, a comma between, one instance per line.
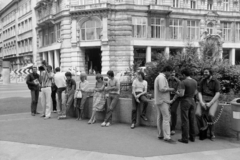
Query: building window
x=30, y=23
x=238, y=32
x=139, y=2
x=176, y=3
x=193, y=4
x=58, y=6
x=175, y=28
x=139, y=27
x=210, y=4
x=192, y=30
x=58, y=30
x=158, y=28
x=226, y=5
x=91, y=30
x=51, y=35
x=30, y=44
x=210, y=27
x=226, y=31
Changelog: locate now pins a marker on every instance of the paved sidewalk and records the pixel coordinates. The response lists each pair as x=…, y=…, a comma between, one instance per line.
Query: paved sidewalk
x=21, y=151
x=75, y=138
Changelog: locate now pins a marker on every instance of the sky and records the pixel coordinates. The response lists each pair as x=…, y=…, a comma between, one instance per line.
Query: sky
x=3, y=3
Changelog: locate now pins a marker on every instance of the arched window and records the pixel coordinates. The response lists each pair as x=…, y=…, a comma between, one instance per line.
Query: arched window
x=210, y=27
x=91, y=30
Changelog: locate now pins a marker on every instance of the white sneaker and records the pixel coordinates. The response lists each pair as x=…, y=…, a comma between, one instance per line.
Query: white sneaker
x=103, y=124
x=108, y=124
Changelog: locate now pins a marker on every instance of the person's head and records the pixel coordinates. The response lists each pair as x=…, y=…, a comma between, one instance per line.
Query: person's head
x=207, y=72
x=44, y=62
x=173, y=73
x=57, y=69
x=83, y=77
x=99, y=77
x=34, y=69
x=110, y=74
x=140, y=76
x=186, y=72
x=68, y=75
x=49, y=68
x=167, y=70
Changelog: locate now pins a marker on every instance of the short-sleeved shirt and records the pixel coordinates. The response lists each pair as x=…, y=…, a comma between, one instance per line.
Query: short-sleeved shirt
x=84, y=85
x=140, y=86
x=70, y=84
x=114, y=83
x=161, y=83
x=174, y=83
x=209, y=88
x=190, y=87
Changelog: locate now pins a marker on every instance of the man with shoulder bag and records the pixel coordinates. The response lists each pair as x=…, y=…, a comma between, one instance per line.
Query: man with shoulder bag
x=33, y=84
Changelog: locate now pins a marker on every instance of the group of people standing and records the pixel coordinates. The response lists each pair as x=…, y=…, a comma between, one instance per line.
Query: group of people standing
x=195, y=100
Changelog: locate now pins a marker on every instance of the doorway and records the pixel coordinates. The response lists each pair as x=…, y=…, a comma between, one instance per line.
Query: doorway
x=93, y=61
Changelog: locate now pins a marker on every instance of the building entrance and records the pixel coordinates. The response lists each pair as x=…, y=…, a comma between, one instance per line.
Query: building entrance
x=93, y=61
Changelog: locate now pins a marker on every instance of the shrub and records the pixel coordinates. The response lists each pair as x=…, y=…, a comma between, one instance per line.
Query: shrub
x=228, y=75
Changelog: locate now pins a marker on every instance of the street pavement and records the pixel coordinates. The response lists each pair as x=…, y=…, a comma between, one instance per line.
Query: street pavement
x=26, y=137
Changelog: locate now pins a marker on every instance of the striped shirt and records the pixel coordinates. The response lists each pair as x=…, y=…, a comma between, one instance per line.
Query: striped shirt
x=46, y=79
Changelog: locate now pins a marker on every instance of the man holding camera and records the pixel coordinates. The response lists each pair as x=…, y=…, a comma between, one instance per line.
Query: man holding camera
x=46, y=76
x=33, y=84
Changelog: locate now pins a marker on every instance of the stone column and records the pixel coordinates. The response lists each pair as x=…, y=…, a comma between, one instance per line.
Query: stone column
x=44, y=56
x=56, y=58
x=149, y=54
x=74, y=30
x=167, y=52
x=66, y=51
x=50, y=58
x=105, y=28
x=232, y=56
x=105, y=59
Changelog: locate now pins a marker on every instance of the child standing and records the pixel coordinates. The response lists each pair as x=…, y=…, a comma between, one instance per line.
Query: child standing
x=79, y=102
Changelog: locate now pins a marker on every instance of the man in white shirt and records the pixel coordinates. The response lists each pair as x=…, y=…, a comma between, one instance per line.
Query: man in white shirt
x=60, y=81
x=162, y=100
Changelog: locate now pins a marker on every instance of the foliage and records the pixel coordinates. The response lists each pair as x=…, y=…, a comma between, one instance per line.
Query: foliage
x=228, y=75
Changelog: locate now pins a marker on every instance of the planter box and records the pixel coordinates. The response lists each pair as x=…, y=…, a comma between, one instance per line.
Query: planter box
x=122, y=114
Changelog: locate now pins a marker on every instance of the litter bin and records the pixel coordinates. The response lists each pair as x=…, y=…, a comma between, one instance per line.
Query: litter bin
x=236, y=115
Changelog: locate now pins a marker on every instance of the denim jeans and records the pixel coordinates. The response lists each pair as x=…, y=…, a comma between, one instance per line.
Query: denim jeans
x=143, y=99
x=173, y=109
x=188, y=118
x=112, y=103
x=59, y=93
x=69, y=98
x=34, y=95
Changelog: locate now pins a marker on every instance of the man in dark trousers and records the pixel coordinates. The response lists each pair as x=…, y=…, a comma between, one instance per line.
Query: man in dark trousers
x=33, y=84
x=187, y=91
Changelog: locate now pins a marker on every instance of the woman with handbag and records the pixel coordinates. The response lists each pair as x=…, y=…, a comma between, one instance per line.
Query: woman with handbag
x=81, y=95
x=98, y=98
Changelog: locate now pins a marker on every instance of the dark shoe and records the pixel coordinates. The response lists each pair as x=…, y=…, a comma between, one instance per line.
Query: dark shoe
x=160, y=138
x=192, y=139
x=37, y=113
x=182, y=141
x=43, y=115
x=173, y=132
x=133, y=126
x=33, y=114
x=170, y=141
x=144, y=117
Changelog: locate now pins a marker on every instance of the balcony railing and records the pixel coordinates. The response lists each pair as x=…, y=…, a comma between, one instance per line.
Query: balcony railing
x=160, y=9
x=89, y=7
x=45, y=19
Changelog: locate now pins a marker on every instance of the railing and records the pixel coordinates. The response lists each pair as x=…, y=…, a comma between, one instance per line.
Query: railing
x=48, y=17
x=90, y=6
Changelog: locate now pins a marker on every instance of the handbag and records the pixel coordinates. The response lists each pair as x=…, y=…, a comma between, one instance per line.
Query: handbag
x=78, y=94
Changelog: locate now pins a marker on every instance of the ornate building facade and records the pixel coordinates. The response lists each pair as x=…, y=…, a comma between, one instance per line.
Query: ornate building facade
x=17, y=33
x=99, y=35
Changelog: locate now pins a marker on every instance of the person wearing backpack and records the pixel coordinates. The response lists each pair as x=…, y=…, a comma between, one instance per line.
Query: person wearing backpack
x=32, y=81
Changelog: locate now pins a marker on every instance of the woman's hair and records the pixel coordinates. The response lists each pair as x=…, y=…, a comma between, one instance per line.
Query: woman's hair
x=142, y=74
x=68, y=74
x=83, y=75
x=99, y=76
x=110, y=73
